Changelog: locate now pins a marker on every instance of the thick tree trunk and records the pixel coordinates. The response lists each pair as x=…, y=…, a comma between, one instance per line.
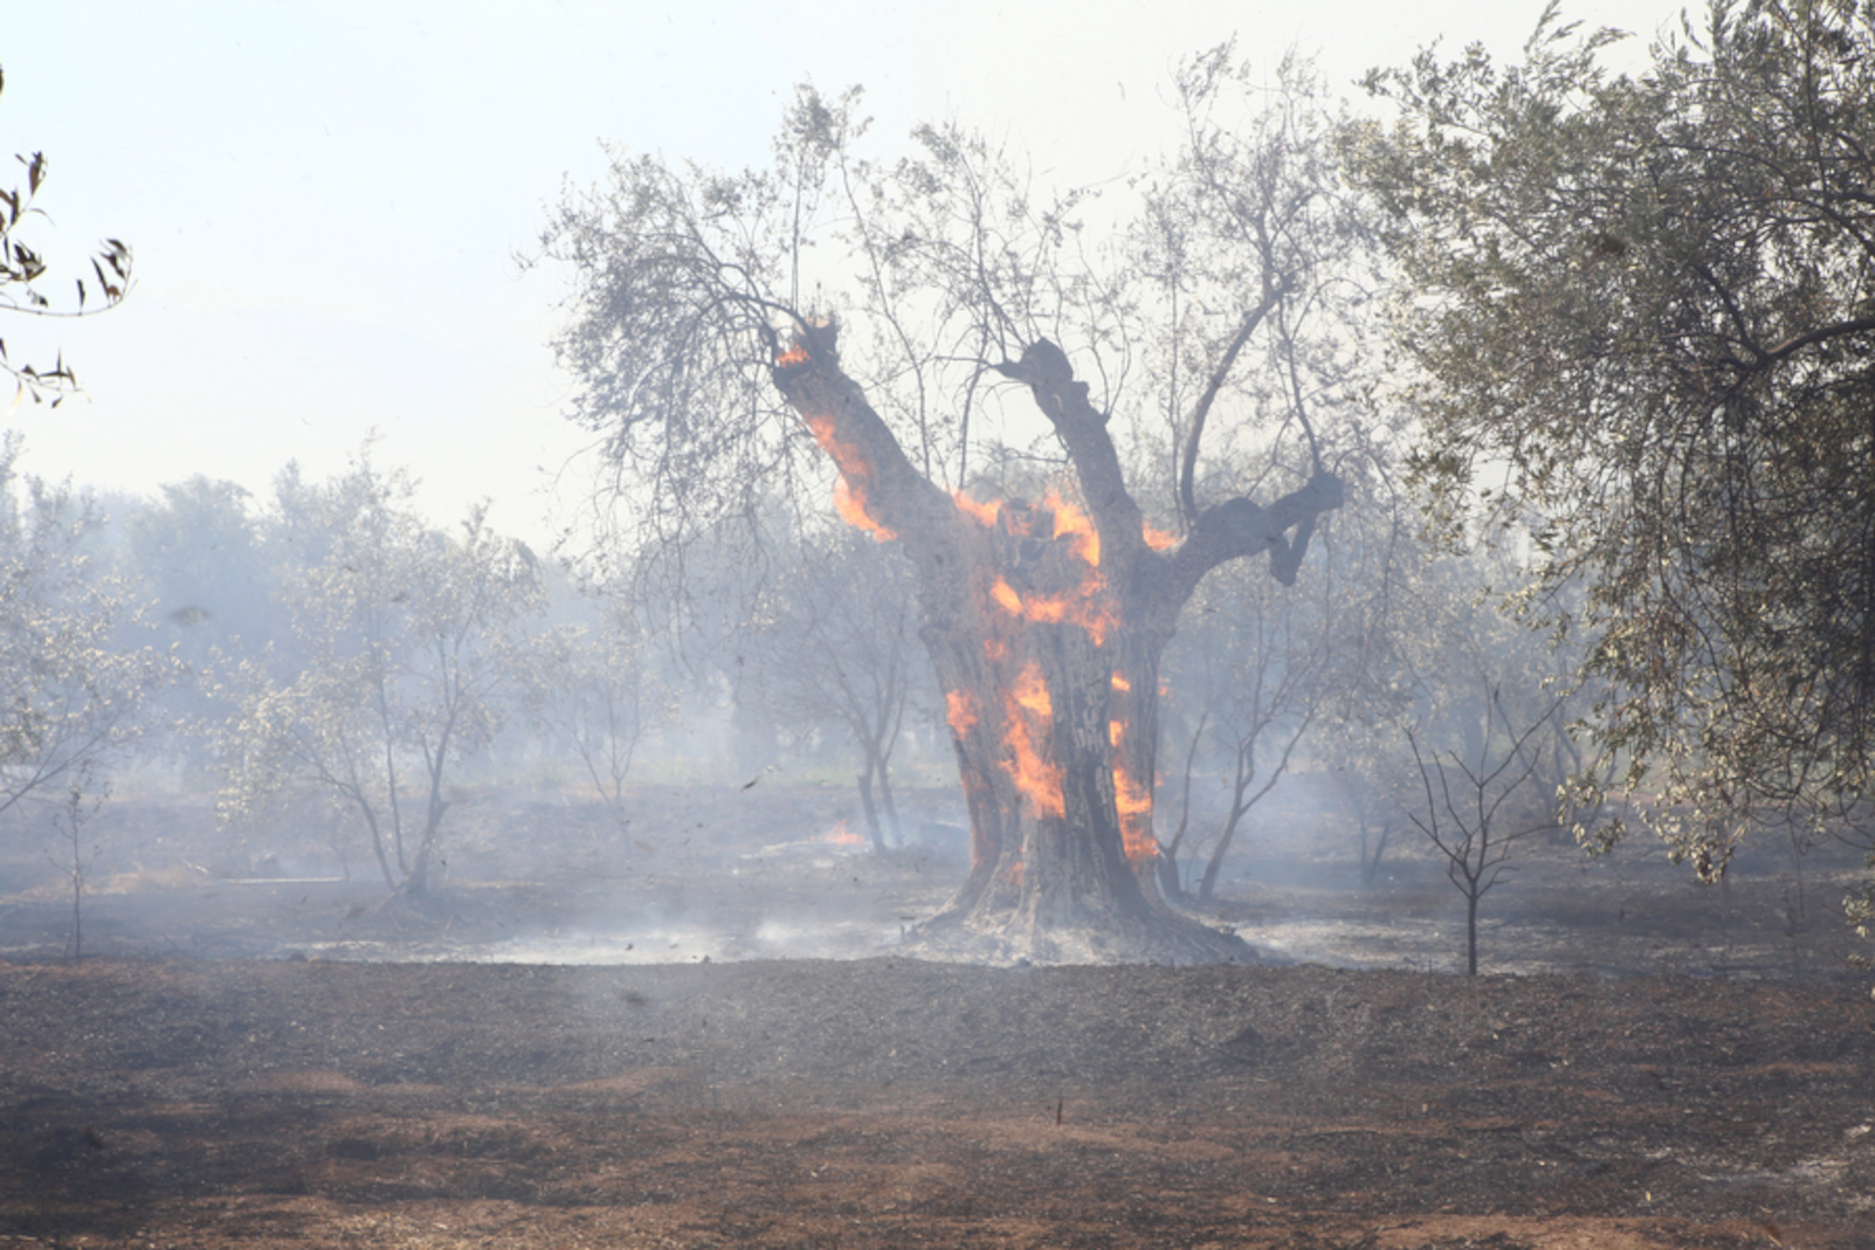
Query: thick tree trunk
x=1045, y=626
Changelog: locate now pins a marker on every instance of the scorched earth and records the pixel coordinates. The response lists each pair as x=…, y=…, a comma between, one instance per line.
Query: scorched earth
x=885, y=1101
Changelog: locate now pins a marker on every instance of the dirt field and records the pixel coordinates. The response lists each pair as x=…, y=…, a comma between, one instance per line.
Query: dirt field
x=892, y=1103
x=1701, y=1076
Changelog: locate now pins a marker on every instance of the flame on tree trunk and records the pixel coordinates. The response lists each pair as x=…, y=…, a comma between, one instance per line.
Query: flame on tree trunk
x=1046, y=624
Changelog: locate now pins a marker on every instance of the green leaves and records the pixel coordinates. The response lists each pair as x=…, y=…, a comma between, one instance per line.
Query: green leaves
x=1642, y=303
x=415, y=645
x=21, y=266
x=74, y=674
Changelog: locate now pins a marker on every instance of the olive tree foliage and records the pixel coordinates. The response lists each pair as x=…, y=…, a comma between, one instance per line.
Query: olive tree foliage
x=78, y=663
x=1644, y=308
x=22, y=266
x=413, y=640
x=934, y=269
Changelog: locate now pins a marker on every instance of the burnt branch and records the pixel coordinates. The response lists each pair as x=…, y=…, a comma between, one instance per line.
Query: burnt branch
x=881, y=477
x=1063, y=400
x=1188, y=461
x=1240, y=527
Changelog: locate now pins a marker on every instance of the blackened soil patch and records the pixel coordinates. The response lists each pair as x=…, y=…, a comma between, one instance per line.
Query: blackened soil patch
x=887, y=1102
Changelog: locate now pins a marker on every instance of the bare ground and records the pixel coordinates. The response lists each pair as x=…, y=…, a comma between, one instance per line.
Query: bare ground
x=1705, y=1082
x=893, y=1103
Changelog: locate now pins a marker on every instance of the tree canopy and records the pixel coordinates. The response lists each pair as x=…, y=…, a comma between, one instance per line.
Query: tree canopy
x=1644, y=311
x=1196, y=286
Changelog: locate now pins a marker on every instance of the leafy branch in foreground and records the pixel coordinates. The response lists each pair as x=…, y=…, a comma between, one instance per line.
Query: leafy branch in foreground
x=22, y=265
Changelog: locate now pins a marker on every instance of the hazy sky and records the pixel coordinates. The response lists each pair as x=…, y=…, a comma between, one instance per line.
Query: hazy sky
x=325, y=199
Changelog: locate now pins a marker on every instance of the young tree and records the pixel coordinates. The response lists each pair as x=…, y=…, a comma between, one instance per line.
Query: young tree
x=706, y=342
x=1468, y=813
x=83, y=796
x=1644, y=309
x=413, y=638
x=1461, y=714
x=21, y=266
x=1255, y=663
x=593, y=692
x=77, y=666
x=835, y=642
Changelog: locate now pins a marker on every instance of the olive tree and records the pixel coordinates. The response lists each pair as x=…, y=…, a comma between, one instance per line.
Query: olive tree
x=78, y=661
x=1644, y=311
x=413, y=639
x=79, y=665
x=594, y=693
x=834, y=641
x=1253, y=662
x=914, y=327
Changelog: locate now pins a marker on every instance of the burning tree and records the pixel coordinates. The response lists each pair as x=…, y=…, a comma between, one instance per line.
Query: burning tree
x=711, y=362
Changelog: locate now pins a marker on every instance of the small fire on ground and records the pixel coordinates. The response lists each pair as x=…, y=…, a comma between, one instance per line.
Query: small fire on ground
x=840, y=835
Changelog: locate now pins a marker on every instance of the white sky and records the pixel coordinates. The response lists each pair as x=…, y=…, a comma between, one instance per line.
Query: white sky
x=325, y=199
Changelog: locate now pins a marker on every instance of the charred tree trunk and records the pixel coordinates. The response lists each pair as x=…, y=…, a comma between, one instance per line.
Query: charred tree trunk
x=1046, y=626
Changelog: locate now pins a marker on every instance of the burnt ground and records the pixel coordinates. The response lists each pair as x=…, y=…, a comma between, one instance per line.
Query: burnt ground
x=1668, y=1066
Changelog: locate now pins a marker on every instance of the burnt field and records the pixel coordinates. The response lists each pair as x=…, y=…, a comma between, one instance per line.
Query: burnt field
x=257, y=1056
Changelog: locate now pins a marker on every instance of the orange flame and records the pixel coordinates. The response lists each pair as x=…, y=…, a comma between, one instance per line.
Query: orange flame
x=983, y=513
x=1031, y=692
x=1134, y=802
x=1028, y=712
x=960, y=708
x=1157, y=538
x=851, y=505
x=1071, y=522
x=840, y=835
x=1087, y=605
x=849, y=496
x=793, y=356
x=1029, y=716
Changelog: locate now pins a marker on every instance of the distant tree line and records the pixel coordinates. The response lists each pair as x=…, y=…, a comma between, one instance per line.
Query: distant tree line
x=332, y=646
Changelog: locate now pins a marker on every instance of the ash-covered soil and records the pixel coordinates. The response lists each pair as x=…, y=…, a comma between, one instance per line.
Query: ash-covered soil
x=633, y=1035
x=887, y=1102
x=779, y=871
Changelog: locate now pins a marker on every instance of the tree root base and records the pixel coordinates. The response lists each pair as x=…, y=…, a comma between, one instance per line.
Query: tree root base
x=1165, y=939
